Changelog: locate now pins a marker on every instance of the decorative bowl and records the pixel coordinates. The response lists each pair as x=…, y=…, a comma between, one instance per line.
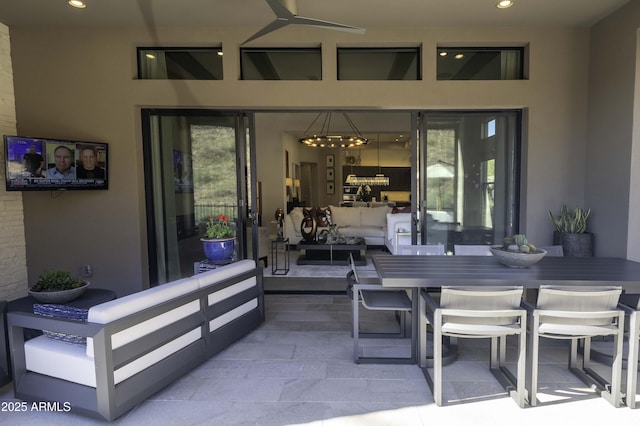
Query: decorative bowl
x=517, y=260
x=61, y=296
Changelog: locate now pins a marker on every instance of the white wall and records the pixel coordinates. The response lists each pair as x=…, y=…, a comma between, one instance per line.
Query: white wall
x=13, y=259
x=80, y=84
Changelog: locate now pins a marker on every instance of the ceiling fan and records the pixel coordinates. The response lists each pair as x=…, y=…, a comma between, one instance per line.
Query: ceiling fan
x=286, y=14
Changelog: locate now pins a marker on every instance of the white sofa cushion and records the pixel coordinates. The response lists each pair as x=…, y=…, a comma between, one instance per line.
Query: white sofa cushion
x=363, y=231
x=296, y=216
x=373, y=216
x=222, y=273
x=120, y=308
x=345, y=216
x=58, y=359
x=71, y=363
x=397, y=222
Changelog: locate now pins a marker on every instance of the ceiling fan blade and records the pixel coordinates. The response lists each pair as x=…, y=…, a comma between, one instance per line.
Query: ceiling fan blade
x=299, y=20
x=274, y=25
x=279, y=9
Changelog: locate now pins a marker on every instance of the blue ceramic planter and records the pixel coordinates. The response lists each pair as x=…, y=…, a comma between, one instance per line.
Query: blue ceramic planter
x=218, y=250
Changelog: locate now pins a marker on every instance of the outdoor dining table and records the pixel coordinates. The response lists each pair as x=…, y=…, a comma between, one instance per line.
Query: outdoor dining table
x=424, y=272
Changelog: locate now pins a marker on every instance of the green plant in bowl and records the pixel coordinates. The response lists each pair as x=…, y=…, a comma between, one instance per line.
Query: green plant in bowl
x=57, y=281
x=57, y=287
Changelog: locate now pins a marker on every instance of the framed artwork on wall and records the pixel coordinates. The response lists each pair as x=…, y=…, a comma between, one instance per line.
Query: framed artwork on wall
x=331, y=189
x=330, y=160
x=330, y=173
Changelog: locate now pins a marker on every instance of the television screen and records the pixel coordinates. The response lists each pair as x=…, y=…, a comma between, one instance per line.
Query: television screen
x=54, y=164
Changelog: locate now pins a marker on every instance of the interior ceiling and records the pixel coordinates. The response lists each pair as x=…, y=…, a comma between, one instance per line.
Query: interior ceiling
x=254, y=14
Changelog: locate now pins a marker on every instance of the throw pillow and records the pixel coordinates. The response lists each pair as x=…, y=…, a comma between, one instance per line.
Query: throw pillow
x=322, y=216
x=63, y=312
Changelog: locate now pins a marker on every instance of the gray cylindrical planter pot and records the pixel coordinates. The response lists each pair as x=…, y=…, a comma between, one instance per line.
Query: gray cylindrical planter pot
x=574, y=245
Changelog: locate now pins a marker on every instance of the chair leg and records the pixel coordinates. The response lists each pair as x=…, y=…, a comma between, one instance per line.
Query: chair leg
x=355, y=329
x=534, y=340
x=496, y=354
x=616, y=370
x=437, y=358
x=521, y=366
x=632, y=362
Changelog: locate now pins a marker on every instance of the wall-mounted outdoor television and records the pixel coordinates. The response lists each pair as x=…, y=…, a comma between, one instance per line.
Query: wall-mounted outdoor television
x=37, y=164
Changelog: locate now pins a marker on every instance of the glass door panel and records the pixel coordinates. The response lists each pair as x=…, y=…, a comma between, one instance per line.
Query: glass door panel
x=196, y=167
x=469, y=177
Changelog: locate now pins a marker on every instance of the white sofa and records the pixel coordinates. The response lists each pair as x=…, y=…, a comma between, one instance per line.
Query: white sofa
x=138, y=344
x=366, y=222
x=397, y=222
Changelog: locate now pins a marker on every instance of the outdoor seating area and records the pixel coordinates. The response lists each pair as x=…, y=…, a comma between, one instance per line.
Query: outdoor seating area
x=297, y=368
x=134, y=346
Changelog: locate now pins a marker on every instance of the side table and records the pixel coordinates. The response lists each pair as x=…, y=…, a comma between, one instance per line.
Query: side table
x=280, y=256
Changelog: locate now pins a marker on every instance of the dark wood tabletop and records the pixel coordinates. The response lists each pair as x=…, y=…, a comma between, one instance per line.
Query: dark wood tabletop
x=438, y=271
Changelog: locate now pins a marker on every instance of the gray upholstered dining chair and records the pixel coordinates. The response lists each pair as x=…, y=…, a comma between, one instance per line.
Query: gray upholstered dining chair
x=476, y=313
x=370, y=293
x=575, y=314
x=472, y=250
x=421, y=250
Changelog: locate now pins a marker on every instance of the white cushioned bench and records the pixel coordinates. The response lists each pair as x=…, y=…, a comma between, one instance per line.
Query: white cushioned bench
x=137, y=344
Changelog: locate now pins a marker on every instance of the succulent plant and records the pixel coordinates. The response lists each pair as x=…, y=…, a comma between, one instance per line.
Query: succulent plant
x=56, y=281
x=571, y=223
x=518, y=244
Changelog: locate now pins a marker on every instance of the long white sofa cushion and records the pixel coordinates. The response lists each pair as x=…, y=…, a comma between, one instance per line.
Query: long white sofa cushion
x=119, y=308
x=222, y=273
x=374, y=216
x=346, y=216
x=70, y=362
x=60, y=359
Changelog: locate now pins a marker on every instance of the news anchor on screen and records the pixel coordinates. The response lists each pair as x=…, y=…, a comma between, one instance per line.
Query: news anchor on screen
x=63, y=169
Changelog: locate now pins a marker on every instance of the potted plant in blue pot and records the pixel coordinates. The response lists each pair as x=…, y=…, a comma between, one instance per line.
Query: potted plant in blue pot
x=571, y=232
x=219, y=240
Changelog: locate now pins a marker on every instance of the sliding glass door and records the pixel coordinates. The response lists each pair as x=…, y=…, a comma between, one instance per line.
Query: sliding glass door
x=469, y=172
x=197, y=164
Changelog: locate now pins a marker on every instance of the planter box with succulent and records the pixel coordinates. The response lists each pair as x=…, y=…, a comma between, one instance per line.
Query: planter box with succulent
x=517, y=252
x=57, y=287
x=570, y=231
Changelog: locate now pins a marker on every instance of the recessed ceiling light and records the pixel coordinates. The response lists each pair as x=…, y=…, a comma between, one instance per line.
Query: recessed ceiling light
x=77, y=3
x=220, y=53
x=504, y=4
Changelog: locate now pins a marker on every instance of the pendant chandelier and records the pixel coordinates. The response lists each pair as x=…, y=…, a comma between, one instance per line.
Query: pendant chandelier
x=378, y=180
x=323, y=137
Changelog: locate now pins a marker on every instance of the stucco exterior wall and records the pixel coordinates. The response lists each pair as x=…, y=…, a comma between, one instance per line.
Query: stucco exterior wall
x=613, y=160
x=80, y=84
x=13, y=261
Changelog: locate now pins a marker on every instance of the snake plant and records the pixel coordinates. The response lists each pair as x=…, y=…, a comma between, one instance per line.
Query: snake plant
x=571, y=223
